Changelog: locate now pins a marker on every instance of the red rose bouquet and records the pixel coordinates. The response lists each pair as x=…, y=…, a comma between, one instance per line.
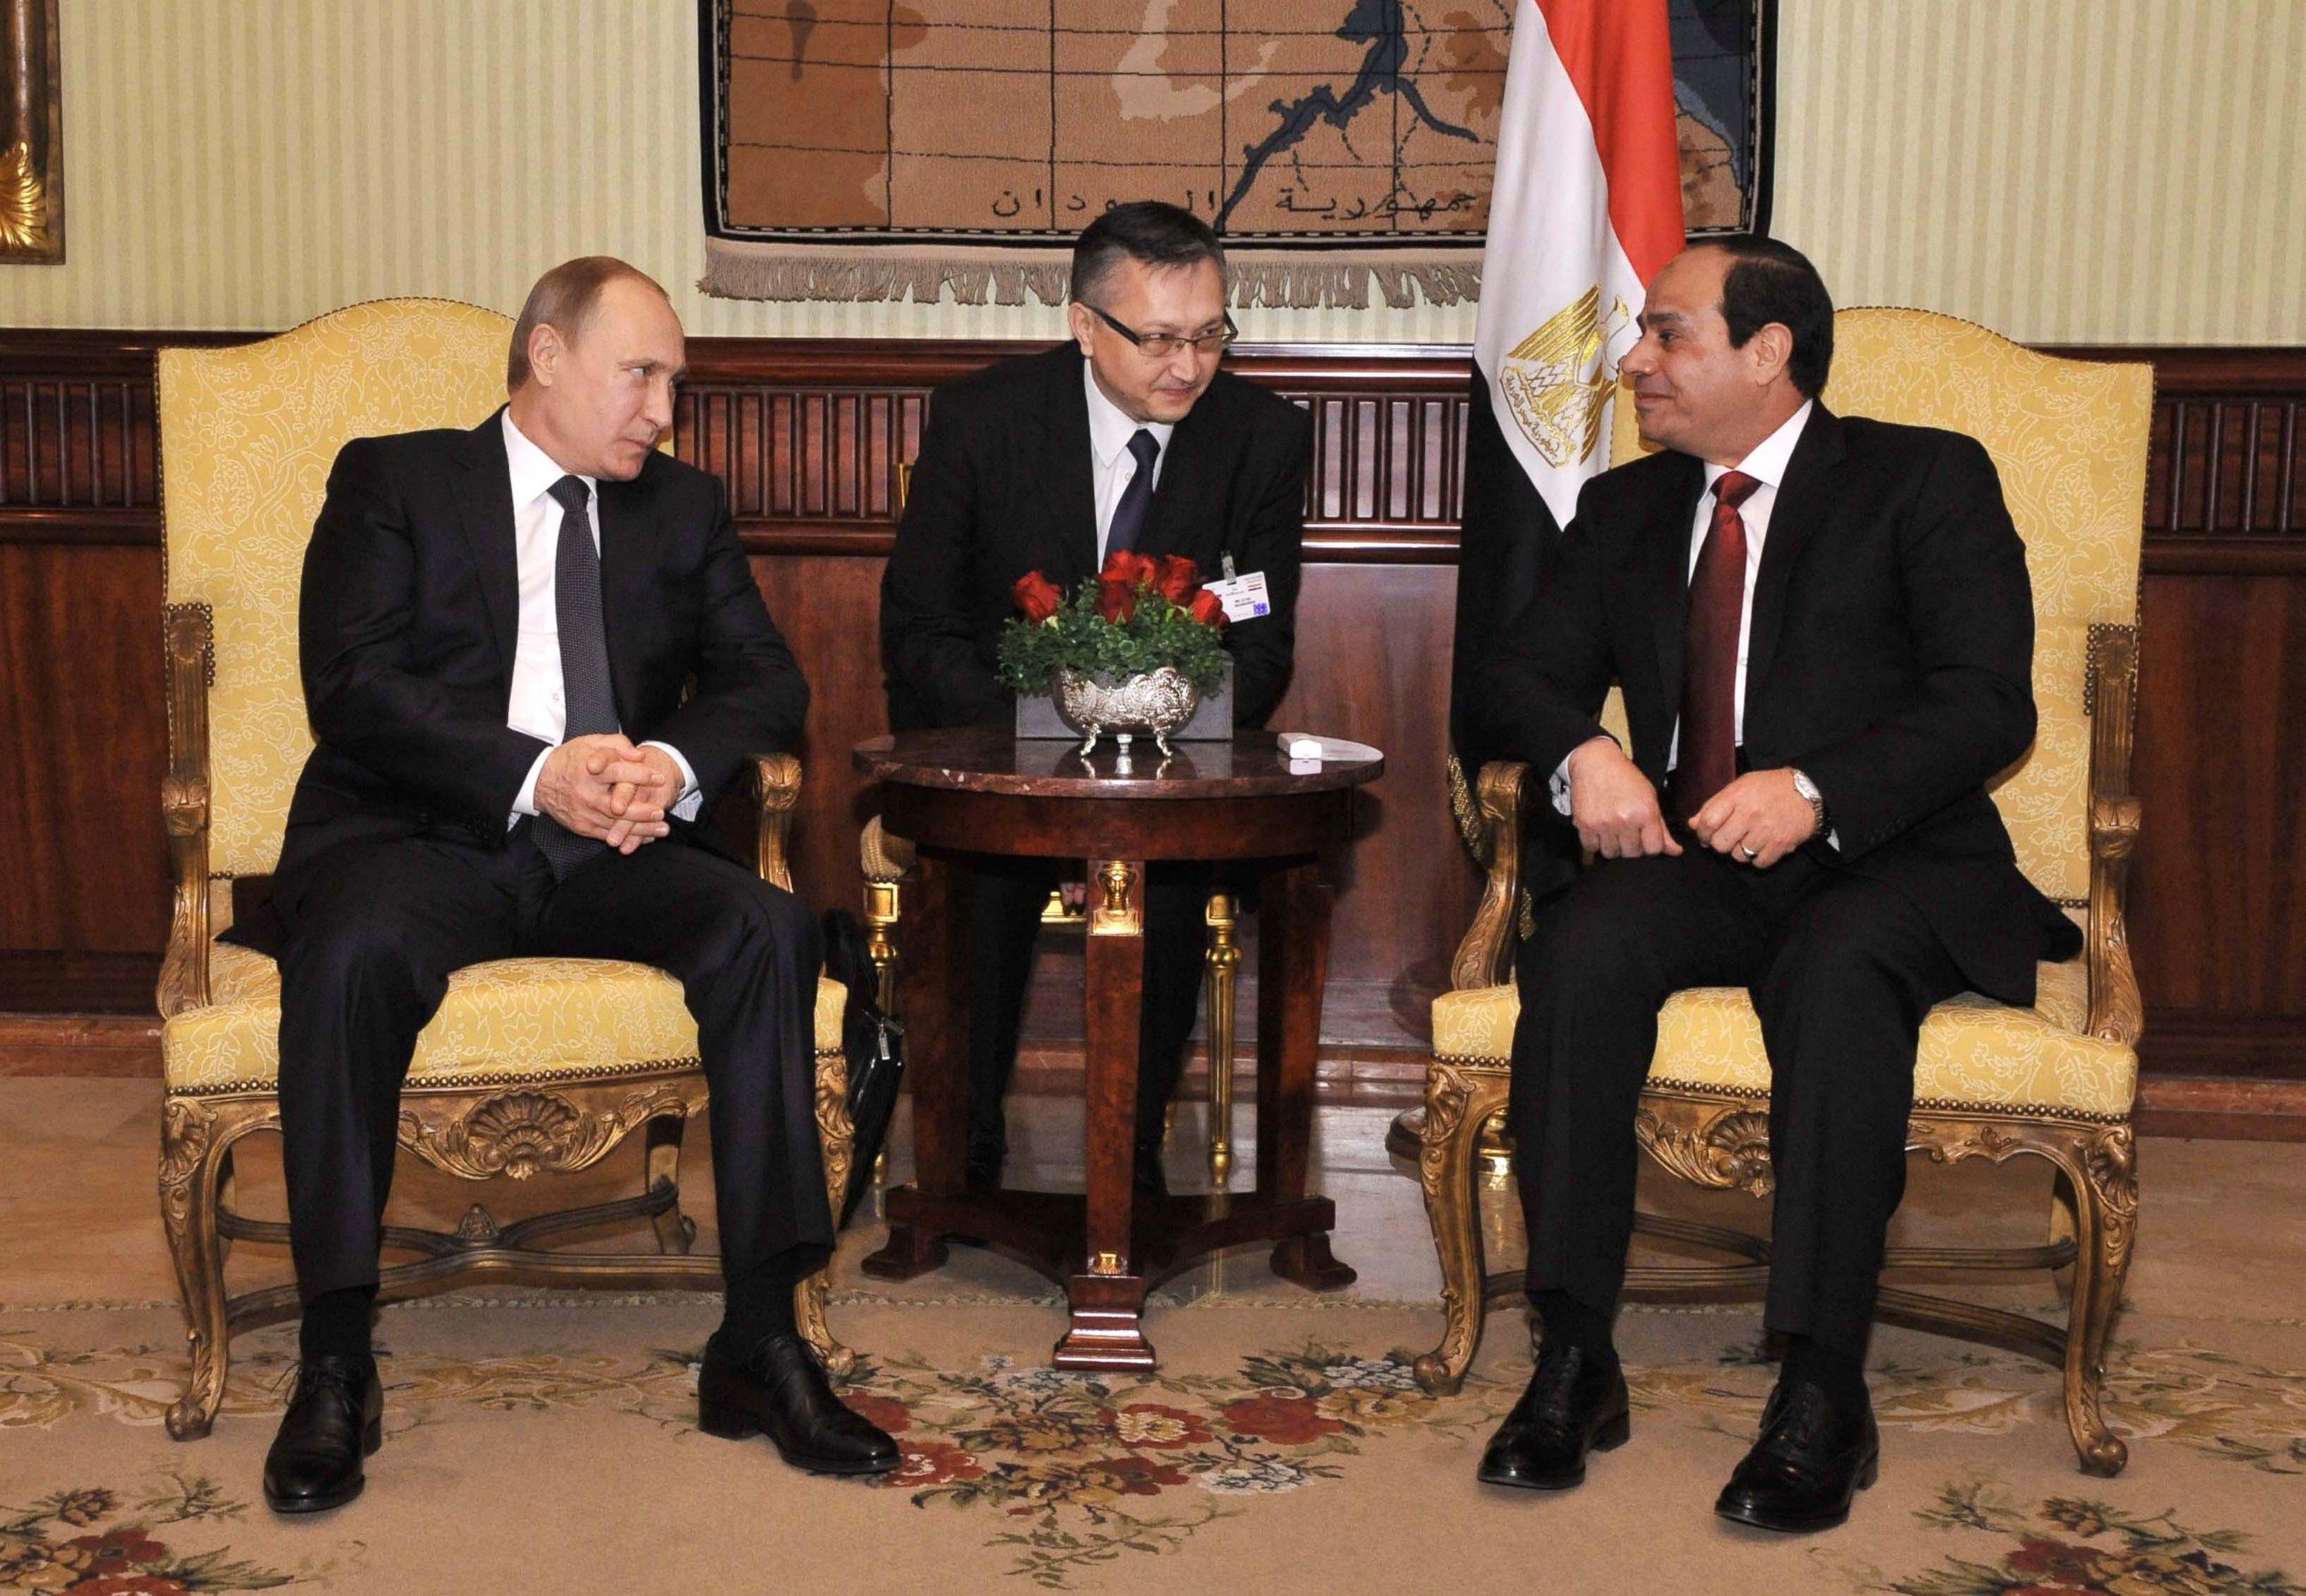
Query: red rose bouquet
x=1139, y=614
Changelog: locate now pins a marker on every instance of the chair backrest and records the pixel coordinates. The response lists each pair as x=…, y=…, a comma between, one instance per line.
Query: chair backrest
x=247, y=436
x=2068, y=439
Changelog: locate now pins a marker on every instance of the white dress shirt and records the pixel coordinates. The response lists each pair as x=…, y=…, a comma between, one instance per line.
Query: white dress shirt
x=537, y=706
x=1109, y=432
x=1766, y=465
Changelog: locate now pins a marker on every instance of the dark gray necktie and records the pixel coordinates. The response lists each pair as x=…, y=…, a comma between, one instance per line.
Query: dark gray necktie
x=1136, y=499
x=585, y=690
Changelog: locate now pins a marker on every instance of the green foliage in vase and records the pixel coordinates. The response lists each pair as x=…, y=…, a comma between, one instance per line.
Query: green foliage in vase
x=1139, y=615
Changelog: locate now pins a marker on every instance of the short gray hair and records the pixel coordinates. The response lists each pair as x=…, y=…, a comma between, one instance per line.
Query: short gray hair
x=563, y=300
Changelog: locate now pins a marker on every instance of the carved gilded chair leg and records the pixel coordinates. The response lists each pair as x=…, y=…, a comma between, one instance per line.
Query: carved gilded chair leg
x=675, y=1230
x=837, y=1136
x=1224, y=976
x=1456, y=1104
x=808, y=1309
x=2065, y=1226
x=2106, y=1184
x=228, y=1184
x=195, y=1152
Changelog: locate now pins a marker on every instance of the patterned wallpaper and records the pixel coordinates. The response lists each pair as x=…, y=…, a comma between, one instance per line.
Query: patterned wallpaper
x=2061, y=170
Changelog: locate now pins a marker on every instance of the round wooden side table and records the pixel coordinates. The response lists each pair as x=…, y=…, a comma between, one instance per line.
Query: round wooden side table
x=981, y=790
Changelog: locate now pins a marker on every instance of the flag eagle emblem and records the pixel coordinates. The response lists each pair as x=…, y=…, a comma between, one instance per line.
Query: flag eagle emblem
x=1558, y=380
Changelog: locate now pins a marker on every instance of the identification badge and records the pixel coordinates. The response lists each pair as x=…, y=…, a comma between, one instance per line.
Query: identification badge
x=1245, y=598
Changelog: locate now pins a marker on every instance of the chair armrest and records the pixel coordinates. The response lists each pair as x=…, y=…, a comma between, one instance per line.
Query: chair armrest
x=189, y=659
x=1485, y=958
x=776, y=784
x=2116, y=1012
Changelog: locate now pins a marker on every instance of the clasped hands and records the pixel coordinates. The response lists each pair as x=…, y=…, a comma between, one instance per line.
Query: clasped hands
x=1758, y=820
x=610, y=788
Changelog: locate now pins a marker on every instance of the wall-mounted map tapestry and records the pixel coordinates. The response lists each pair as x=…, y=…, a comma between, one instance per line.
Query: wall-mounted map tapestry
x=873, y=149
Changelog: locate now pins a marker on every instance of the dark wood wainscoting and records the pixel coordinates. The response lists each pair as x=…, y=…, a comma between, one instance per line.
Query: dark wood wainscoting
x=808, y=434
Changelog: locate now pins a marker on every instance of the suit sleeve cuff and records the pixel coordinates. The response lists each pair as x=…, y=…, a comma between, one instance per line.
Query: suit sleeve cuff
x=692, y=798
x=525, y=803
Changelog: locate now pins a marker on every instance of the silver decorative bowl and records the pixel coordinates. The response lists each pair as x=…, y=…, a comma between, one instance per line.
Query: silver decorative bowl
x=1153, y=704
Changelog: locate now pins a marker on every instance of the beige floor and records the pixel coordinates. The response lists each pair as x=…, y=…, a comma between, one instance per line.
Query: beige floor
x=580, y=1407
x=2221, y=1230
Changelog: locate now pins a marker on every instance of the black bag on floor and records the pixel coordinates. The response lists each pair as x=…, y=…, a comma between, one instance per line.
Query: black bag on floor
x=875, y=1045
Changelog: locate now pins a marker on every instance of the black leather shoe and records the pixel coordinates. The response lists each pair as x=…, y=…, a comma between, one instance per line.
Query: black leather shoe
x=1573, y=1406
x=335, y=1418
x=1812, y=1459
x=780, y=1392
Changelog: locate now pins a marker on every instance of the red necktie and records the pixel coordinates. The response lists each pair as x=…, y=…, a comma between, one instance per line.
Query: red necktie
x=1708, y=759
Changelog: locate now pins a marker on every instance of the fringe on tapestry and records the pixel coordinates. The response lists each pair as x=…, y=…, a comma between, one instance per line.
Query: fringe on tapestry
x=1267, y=278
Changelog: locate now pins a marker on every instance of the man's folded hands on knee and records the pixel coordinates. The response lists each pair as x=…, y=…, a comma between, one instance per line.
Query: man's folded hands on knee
x=604, y=785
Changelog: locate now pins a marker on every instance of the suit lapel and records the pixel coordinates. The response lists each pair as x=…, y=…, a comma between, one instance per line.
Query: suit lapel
x=484, y=495
x=1803, y=503
x=1072, y=503
x=1668, y=574
x=628, y=550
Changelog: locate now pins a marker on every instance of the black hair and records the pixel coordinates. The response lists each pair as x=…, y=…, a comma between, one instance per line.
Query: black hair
x=1157, y=234
x=1769, y=281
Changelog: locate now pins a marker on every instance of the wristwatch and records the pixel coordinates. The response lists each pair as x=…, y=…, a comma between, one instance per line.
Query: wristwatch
x=1811, y=795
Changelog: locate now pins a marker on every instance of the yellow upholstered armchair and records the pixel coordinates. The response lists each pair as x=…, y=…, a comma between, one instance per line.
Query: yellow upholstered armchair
x=532, y=1065
x=2055, y=1081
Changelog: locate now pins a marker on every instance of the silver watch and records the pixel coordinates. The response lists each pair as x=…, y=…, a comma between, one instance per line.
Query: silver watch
x=1811, y=795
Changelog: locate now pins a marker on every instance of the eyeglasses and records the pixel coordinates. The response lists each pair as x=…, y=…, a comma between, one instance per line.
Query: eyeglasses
x=1161, y=345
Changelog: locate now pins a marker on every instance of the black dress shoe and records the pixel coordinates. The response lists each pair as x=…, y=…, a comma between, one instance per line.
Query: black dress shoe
x=779, y=1391
x=1812, y=1459
x=335, y=1418
x=1573, y=1405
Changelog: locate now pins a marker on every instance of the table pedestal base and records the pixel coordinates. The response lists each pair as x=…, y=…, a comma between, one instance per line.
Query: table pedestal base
x=1104, y=1293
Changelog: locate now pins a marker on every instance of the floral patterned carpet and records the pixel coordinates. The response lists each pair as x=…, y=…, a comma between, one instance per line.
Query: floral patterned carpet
x=547, y=1442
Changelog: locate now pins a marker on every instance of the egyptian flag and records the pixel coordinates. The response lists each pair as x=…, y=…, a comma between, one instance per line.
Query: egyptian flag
x=1584, y=208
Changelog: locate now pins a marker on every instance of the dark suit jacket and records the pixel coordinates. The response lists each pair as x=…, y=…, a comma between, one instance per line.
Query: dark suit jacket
x=410, y=616
x=1004, y=485
x=1891, y=659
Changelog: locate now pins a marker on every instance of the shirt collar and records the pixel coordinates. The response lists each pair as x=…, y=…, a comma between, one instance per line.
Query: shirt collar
x=533, y=472
x=1109, y=426
x=1766, y=463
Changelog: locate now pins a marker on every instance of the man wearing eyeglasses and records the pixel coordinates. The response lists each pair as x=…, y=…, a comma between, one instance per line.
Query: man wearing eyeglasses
x=1128, y=437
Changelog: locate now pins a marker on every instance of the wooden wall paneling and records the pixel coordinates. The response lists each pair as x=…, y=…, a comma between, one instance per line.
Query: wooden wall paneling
x=1372, y=664
x=2218, y=888
x=828, y=607
x=84, y=866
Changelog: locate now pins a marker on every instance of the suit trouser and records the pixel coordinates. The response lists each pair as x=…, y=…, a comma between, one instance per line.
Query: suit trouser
x=1842, y=972
x=1011, y=894
x=374, y=928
